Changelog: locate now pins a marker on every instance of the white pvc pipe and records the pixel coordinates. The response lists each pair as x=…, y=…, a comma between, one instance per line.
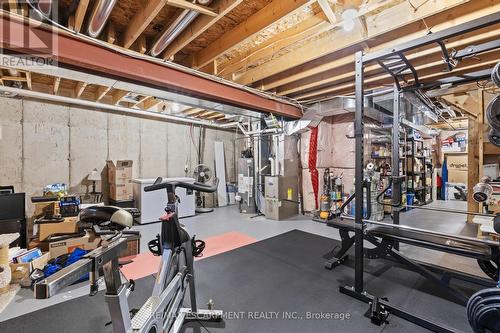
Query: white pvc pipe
x=116, y=108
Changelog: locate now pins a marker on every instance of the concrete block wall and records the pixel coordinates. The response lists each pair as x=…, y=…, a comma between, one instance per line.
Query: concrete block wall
x=43, y=143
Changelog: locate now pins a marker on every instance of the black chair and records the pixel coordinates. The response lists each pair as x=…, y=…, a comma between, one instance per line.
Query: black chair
x=13, y=216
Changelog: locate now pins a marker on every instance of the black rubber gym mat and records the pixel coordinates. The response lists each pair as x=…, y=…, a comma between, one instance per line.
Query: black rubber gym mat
x=275, y=285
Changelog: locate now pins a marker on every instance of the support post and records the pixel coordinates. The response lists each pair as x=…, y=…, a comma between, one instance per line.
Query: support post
x=396, y=182
x=359, y=132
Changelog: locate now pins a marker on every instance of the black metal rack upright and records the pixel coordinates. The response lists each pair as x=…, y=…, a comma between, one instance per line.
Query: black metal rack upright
x=394, y=62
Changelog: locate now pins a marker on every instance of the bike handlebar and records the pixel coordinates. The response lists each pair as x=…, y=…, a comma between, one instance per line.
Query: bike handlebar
x=158, y=185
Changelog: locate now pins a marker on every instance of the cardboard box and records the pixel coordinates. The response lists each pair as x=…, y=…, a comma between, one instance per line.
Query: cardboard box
x=457, y=162
x=87, y=242
x=23, y=270
x=119, y=172
x=68, y=226
x=119, y=192
x=457, y=176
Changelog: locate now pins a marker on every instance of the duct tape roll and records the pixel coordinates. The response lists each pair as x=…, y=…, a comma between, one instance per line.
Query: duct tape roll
x=495, y=75
x=370, y=166
x=494, y=137
x=493, y=113
x=5, y=277
x=482, y=192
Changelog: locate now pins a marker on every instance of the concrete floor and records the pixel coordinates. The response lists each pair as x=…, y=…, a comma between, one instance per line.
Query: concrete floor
x=228, y=219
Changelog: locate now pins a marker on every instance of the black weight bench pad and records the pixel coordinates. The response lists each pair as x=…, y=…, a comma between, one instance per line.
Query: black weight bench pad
x=450, y=244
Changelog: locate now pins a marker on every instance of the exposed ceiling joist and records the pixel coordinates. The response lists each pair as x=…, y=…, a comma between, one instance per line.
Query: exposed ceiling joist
x=337, y=73
x=185, y=4
x=79, y=89
x=118, y=95
x=325, y=7
x=250, y=26
x=57, y=82
x=80, y=14
x=141, y=21
x=200, y=25
x=311, y=26
x=397, y=17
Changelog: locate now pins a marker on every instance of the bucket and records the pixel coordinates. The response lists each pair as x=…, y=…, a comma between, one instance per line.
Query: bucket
x=409, y=199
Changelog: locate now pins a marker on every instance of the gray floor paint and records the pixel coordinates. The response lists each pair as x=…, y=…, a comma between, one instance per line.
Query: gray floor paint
x=228, y=219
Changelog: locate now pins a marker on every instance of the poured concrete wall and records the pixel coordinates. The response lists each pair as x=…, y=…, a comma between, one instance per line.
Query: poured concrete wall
x=43, y=143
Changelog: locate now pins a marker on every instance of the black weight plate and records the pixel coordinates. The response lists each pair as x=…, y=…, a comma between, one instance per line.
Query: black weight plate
x=494, y=137
x=478, y=296
x=488, y=318
x=495, y=75
x=493, y=113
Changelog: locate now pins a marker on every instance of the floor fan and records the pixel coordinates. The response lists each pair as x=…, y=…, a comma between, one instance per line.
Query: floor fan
x=202, y=174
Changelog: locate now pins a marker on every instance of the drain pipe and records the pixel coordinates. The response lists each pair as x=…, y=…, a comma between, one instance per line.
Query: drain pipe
x=115, y=108
x=170, y=34
x=100, y=14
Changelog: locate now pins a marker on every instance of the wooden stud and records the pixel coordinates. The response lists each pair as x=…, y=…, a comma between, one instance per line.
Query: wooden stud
x=80, y=14
x=71, y=23
x=13, y=6
x=271, y=13
x=57, y=82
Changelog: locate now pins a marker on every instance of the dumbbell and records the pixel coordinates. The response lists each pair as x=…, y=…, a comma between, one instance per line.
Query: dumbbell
x=495, y=75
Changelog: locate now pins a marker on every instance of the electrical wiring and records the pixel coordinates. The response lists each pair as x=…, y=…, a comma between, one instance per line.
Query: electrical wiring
x=162, y=62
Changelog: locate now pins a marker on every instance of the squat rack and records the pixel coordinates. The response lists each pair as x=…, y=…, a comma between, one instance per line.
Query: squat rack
x=397, y=65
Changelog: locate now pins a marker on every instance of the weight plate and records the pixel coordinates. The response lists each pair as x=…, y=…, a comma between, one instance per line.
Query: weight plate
x=495, y=75
x=493, y=113
x=478, y=296
x=489, y=267
x=494, y=137
x=487, y=319
x=478, y=309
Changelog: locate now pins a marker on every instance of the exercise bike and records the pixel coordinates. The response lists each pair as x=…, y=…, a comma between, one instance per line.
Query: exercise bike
x=162, y=311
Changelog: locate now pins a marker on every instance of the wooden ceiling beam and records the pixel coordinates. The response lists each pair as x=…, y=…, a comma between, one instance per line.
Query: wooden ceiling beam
x=80, y=14
x=118, y=95
x=111, y=36
x=80, y=87
x=29, y=81
x=101, y=92
x=265, y=17
x=315, y=70
x=141, y=21
x=191, y=111
x=427, y=73
x=200, y=25
x=310, y=27
x=184, y=4
x=393, y=19
x=57, y=82
x=325, y=7
x=149, y=103
x=337, y=73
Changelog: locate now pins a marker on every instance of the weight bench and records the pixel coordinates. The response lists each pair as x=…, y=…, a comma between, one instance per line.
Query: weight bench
x=384, y=237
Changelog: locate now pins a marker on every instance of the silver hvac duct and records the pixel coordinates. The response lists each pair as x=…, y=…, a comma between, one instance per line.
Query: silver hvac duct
x=100, y=14
x=170, y=34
